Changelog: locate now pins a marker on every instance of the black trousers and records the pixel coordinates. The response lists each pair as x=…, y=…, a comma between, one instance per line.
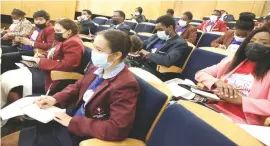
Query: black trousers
x=11, y=55
x=6, y=42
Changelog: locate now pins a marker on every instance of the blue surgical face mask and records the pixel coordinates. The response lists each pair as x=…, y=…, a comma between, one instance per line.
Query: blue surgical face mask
x=162, y=35
x=100, y=59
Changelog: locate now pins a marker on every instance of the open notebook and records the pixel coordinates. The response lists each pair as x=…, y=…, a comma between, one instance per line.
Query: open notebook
x=28, y=61
x=26, y=106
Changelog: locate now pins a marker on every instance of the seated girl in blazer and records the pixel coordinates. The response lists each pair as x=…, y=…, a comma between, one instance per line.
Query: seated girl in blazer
x=243, y=82
x=104, y=100
x=66, y=55
x=232, y=39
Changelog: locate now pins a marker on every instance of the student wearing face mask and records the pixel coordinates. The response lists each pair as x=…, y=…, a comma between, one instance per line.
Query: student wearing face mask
x=185, y=30
x=66, y=55
x=41, y=37
x=87, y=26
x=232, y=39
x=104, y=100
x=165, y=48
x=243, y=82
x=118, y=21
x=20, y=27
x=138, y=16
x=214, y=24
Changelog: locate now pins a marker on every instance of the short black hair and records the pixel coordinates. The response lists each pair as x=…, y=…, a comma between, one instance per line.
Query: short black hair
x=189, y=15
x=41, y=13
x=87, y=11
x=139, y=9
x=267, y=18
x=166, y=20
x=121, y=13
x=18, y=12
x=171, y=11
x=218, y=12
x=245, y=22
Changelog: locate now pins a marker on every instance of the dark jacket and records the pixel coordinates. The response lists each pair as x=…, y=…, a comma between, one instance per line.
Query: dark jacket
x=45, y=37
x=86, y=26
x=123, y=27
x=172, y=52
x=140, y=18
x=111, y=110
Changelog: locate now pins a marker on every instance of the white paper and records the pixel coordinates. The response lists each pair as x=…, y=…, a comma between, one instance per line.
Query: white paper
x=26, y=106
x=28, y=58
x=178, y=91
x=262, y=133
x=20, y=65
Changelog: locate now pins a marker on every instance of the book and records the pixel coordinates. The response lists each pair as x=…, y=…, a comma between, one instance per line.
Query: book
x=26, y=106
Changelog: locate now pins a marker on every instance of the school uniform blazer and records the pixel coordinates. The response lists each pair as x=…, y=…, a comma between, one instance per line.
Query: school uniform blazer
x=226, y=39
x=110, y=113
x=219, y=26
x=190, y=34
x=67, y=57
x=45, y=37
x=171, y=52
x=256, y=107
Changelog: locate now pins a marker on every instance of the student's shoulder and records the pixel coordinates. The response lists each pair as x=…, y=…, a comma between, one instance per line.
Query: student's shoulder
x=125, y=77
x=75, y=40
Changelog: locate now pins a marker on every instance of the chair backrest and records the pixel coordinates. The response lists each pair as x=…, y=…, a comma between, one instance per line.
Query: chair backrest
x=199, y=35
x=152, y=21
x=100, y=20
x=231, y=24
x=145, y=27
x=85, y=59
x=195, y=24
x=180, y=127
x=131, y=24
x=108, y=22
x=144, y=35
x=197, y=20
x=150, y=103
x=199, y=60
x=207, y=38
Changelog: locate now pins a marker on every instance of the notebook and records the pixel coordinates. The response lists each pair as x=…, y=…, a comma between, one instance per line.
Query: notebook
x=26, y=106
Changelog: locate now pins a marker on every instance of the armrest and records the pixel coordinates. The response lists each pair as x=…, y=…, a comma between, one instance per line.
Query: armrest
x=172, y=69
x=61, y=75
x=267, y=122
x=87, y=37
x=89, y=45
x=126, y=142
x=145, y=34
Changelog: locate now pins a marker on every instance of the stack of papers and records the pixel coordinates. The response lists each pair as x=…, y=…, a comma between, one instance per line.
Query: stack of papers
x=26, y=106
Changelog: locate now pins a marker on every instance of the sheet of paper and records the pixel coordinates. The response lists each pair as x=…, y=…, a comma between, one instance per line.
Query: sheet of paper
x=178, y=91
x=14, y=109
x=42, y=115
x=20, y=65
x=259, y=132
x=27, y=58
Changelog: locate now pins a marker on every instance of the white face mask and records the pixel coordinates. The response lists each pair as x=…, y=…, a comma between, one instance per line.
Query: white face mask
x=182, y=23
x=239, y=39
x=213, y=18
x=16, y=21
x=162, y=35
x=100, y=59
x=84, y=17
x=137, y=13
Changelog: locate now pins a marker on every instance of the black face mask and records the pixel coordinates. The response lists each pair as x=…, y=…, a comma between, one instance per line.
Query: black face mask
x=59, y=37
x=114, y=22
x=257, y=52
x=40, y=26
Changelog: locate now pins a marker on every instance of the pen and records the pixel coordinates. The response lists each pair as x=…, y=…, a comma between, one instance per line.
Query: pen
x=47, y=93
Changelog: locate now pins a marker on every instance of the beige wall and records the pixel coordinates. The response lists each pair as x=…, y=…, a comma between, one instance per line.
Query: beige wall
x=56, y=9
x=155, y=8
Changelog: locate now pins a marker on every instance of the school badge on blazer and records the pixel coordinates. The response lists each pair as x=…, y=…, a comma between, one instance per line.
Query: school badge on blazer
x=99, y=113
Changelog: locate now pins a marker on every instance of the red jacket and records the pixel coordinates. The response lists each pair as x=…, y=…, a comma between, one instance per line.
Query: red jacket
x=67, y=57
x=219, y=26
x=110, y=113
x=45, y=37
